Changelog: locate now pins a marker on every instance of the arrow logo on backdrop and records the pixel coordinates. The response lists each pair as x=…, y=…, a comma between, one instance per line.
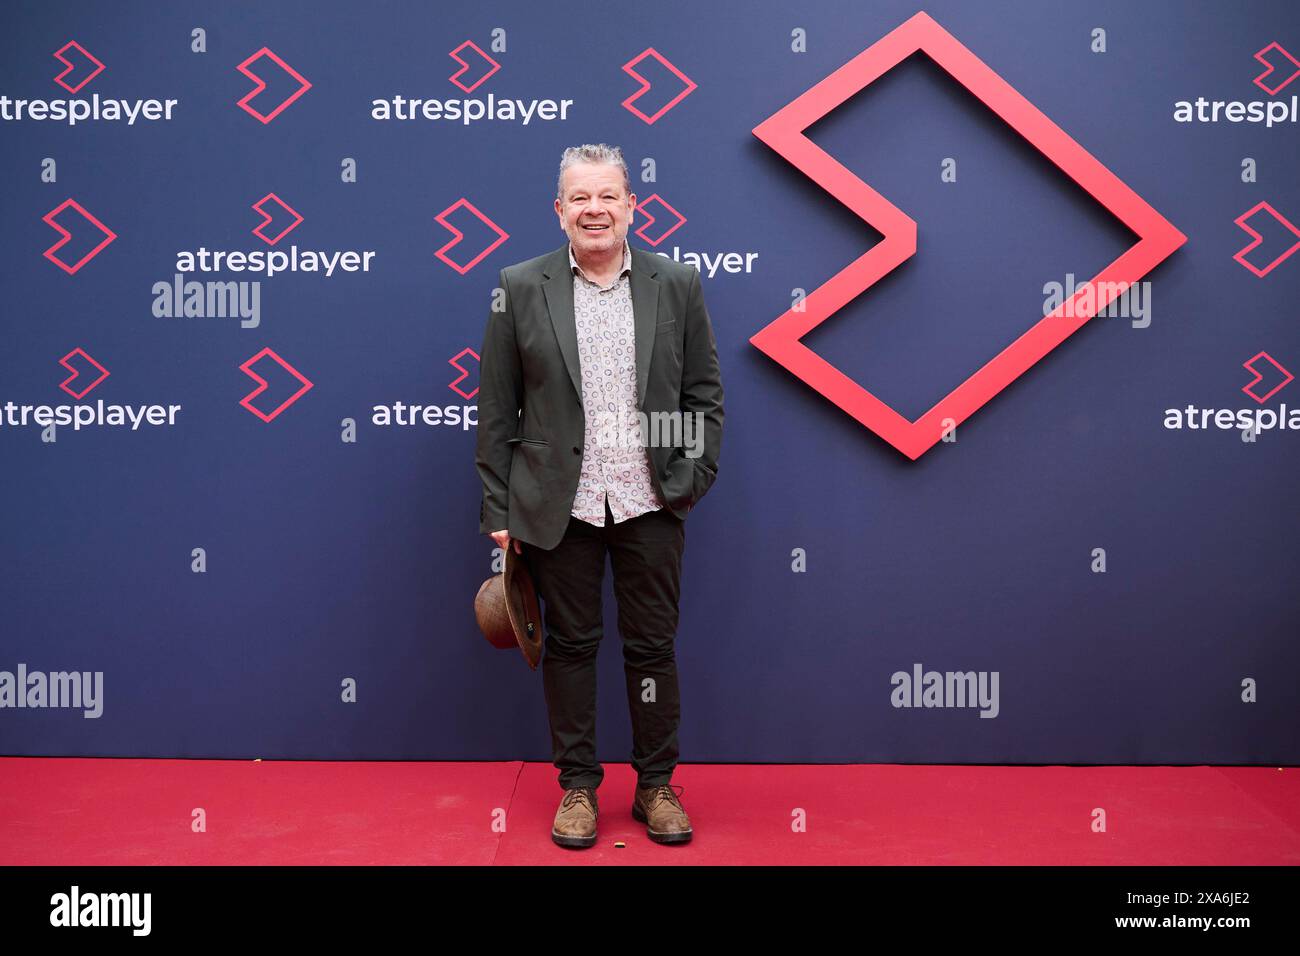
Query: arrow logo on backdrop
x=454, y=362
x=260, y=58
x=247, y=368
x=482, y=57
x=70, y=66
x=644, y=206
x=274, y=201
x=784, y=133
x=1260, y=213
x=1279, y=62
x=85, y=217
x=1249, y=388
x=630, y=68
x=86, y=387
x=458, y=236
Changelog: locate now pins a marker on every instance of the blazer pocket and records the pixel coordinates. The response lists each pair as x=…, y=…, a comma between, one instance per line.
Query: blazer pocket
x=527, y=441
x=665, y=327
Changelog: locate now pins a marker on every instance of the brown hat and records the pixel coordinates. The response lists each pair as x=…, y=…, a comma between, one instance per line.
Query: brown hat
x=507, y=611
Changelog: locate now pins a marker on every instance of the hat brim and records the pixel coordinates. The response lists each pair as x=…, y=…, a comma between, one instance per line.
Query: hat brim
x=522, y=607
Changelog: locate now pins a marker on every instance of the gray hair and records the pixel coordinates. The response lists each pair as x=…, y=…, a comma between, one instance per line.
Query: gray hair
x=592, y=153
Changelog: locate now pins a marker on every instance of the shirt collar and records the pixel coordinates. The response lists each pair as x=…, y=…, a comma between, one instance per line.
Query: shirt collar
x=627, y=261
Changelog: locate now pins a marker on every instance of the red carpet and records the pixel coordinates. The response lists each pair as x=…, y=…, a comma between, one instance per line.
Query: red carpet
x=128, y=811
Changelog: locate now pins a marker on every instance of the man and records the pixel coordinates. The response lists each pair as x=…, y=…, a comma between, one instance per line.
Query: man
x=589, y=347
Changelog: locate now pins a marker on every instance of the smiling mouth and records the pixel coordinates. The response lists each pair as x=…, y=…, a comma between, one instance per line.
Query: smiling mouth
x=595, y=227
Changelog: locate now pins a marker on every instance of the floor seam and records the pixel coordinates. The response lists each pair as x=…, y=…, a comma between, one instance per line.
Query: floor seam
x=509, y=807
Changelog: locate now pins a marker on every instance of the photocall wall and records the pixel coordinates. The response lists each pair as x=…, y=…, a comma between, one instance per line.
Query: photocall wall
x=1005, y=296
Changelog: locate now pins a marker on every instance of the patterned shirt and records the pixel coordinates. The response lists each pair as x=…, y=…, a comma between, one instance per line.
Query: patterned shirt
x=615, y=464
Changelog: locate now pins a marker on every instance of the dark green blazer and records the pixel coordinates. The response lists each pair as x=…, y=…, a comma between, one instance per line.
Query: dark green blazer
x=530, y=416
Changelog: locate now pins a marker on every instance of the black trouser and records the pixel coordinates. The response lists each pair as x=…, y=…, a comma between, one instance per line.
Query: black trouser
x=646, y=552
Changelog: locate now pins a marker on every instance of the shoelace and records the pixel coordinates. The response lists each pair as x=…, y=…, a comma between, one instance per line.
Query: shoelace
x=667, y=792
x=580, y=794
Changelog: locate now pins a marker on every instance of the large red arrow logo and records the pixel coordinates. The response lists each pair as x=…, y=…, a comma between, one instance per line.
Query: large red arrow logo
x=783, y=131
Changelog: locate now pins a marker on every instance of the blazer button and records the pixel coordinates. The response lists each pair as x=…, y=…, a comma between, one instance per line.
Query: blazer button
x=577, y=450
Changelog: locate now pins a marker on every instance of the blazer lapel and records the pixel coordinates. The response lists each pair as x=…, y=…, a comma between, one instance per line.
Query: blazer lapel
x=645, y=306
x=558, y=288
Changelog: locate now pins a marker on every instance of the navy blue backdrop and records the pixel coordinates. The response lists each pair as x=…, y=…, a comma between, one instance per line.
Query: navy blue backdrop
x=329, y=560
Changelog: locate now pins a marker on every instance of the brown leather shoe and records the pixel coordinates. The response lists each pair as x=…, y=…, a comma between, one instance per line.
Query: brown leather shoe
x=660, y=810
x=575, y=820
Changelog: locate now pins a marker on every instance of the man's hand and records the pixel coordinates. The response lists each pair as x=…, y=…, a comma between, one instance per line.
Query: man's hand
x=502, y=538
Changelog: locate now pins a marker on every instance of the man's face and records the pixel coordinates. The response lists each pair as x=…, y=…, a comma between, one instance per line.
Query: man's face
x=596, y=211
